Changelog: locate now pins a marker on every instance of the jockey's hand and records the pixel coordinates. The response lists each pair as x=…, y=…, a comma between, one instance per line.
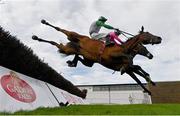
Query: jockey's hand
x=117, y=29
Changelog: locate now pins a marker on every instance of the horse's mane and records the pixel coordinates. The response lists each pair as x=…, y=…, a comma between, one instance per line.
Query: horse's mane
x=132, y=38
x=18, y=57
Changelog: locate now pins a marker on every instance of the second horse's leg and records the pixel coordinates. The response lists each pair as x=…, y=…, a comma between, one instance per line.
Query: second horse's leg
x=138, y=81
x=138, y=70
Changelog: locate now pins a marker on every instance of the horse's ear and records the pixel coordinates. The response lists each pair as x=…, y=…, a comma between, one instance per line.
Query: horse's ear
x=142, y=29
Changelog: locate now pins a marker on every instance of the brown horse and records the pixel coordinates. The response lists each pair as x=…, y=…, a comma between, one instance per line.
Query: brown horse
x=139, y=49
x=113, y=57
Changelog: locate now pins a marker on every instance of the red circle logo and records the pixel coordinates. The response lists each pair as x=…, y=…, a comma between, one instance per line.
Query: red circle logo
x=18, y=88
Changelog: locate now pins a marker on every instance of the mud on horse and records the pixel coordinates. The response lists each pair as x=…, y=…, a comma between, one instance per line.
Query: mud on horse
x=113, y=57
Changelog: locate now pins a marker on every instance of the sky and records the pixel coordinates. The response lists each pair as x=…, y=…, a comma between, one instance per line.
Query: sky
x=159, y=17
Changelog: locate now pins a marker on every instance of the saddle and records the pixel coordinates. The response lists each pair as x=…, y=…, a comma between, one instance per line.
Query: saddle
x=106, y=40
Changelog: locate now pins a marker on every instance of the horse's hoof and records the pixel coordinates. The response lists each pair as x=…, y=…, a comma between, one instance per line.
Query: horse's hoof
x=43, y=21
x=34, y=37
x=70, y=63
x=149, y=93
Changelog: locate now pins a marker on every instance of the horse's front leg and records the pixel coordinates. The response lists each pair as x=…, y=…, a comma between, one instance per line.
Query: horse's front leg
x=123, y=59
x=130, y=73
x=138, y=70
x=74, y=62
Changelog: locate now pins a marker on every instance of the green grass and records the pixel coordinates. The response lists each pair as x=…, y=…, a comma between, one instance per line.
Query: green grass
x=138, y=109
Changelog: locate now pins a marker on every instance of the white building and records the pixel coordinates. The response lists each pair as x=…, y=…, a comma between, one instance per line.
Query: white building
x=116, y=94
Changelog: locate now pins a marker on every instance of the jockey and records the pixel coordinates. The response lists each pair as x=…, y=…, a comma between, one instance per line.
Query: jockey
x=96, y=26
x=113, y=36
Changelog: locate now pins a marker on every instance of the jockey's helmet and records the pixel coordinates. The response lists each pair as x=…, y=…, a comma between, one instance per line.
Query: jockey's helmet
x=101, y=18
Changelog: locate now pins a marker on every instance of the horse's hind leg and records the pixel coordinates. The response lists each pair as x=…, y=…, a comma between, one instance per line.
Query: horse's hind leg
x=34, y=37
x=71, y=35
x=68, y=49
x=46, y=23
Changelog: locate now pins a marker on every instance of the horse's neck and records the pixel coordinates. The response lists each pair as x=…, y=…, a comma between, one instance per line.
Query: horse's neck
x=130, y=44
x=132, y=54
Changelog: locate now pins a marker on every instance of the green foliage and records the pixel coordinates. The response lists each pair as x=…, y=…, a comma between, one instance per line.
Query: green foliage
x=137, y=109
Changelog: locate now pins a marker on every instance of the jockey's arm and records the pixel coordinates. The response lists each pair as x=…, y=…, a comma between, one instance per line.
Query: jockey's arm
x=99, y=23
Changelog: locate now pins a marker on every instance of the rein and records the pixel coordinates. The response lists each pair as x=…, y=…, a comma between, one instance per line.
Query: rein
x=125, y=36
x=123, y=32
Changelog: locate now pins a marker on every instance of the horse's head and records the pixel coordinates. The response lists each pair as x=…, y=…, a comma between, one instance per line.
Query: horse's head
x=148, y=38
x=142, y=50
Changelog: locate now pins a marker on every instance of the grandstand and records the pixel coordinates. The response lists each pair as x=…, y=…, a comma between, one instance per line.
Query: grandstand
x=116, y=94
x=163, y=92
